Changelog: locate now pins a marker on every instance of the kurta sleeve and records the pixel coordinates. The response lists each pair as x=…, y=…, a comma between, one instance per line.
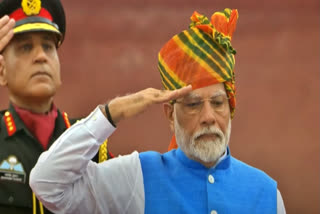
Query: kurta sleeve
x=67, y=181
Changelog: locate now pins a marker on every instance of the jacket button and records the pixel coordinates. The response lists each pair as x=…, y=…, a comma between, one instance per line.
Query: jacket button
x=211, y=179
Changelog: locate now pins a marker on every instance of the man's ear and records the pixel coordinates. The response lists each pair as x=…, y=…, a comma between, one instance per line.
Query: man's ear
x=3, y=76
x=168, y=111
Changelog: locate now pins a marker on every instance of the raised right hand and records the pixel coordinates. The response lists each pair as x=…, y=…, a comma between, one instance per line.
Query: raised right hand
x=134, y=104
x=6, y=31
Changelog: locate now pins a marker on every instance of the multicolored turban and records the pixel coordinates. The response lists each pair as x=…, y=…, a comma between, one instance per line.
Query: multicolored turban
x=202, y=55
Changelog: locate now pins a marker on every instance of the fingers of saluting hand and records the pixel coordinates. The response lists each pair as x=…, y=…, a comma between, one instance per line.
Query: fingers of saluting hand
x=133, y=104
x=167, y=95
x=179, y=92
x=6, y=31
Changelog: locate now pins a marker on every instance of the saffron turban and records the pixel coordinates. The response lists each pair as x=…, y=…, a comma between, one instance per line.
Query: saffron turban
x=202, y=55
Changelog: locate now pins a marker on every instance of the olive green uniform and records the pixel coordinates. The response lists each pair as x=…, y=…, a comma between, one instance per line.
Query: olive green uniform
x=19, y=152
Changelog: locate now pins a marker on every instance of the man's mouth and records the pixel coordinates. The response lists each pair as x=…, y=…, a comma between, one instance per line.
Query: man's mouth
x=208, y=136
x=41, y=73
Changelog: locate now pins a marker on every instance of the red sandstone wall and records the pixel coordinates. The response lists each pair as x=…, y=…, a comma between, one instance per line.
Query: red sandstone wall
x=111, y=49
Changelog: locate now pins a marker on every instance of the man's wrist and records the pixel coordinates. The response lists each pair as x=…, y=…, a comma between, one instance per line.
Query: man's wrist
x=108, y=115
x=104, y=108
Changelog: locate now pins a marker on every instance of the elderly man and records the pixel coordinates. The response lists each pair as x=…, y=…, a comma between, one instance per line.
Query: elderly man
x=30, y=33
x=200, y=176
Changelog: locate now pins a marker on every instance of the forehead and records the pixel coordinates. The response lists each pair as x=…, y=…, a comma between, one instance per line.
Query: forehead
x=35, y=35
x=208, y=91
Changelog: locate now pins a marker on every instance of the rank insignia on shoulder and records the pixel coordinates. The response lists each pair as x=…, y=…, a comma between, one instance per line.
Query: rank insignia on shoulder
x=11, y=126
x=66, y=119
x=12, y=170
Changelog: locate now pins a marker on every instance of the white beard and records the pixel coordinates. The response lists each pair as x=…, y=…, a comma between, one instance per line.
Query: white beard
x=207, y=151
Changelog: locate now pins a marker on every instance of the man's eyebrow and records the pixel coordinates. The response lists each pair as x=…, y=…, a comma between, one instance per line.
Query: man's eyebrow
x=218, y=93
x=196, y=96
x=21, y=37
x=192, y=96
x=49, y=37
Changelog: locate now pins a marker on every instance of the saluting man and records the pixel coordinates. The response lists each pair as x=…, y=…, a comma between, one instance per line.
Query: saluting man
x=31, y=31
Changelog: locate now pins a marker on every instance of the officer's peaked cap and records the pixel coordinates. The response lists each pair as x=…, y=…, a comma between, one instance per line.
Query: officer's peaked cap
x=36, y=15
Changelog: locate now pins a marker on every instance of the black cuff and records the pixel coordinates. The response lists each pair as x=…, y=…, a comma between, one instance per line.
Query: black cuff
x=106, y=108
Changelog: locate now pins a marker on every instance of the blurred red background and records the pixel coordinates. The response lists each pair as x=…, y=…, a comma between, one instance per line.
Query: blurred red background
x=111, y=49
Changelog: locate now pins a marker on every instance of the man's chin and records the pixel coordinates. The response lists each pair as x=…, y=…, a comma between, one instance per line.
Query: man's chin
x=42, y=92
x=207, y=158
x=208, y=151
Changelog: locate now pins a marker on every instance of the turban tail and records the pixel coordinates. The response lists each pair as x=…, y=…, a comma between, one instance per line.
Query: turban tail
x=202, y=55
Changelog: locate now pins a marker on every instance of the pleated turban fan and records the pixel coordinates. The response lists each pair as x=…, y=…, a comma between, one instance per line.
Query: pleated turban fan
x=201, y=55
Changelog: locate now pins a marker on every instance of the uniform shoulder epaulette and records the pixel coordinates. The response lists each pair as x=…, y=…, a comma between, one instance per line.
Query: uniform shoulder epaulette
x=9, y=122
x=66, y=119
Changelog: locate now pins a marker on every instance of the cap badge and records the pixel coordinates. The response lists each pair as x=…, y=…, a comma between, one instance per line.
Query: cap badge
x=31, y=7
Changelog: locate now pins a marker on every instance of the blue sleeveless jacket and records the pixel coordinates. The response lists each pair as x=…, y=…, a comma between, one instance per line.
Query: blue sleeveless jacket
x=175, y=184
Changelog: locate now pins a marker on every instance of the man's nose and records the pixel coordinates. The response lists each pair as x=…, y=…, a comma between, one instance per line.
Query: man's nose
x=39, y=54
x=207, y=114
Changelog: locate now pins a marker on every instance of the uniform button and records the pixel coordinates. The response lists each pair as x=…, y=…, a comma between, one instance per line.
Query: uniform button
x=11, y=199
x=211, y=179
x=213, y=212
